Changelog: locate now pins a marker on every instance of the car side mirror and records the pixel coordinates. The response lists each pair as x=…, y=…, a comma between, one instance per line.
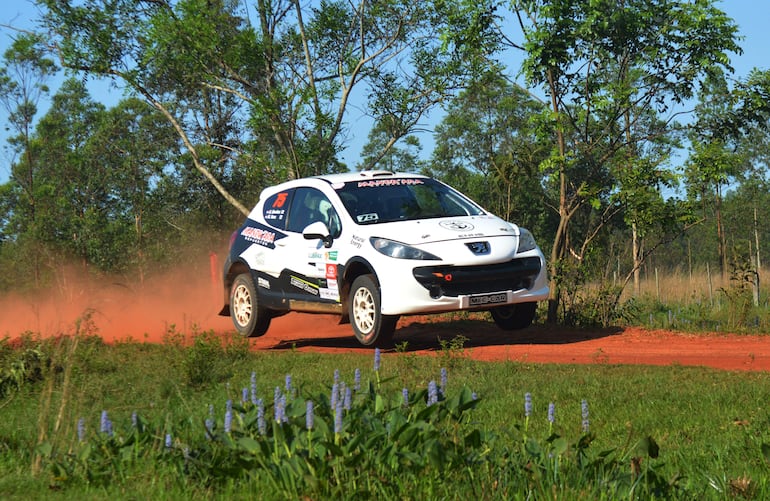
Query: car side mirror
x=318, y=231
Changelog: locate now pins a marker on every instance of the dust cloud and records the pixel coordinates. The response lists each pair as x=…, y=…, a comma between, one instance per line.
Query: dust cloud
x=185, y=300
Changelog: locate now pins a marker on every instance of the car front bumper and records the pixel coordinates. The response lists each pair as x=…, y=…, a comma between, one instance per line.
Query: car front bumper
x=406, y=289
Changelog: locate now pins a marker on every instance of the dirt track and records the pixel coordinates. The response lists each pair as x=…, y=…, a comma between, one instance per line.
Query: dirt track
x=119, y=312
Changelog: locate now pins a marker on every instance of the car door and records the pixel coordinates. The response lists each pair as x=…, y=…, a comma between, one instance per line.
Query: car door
x=310, y=268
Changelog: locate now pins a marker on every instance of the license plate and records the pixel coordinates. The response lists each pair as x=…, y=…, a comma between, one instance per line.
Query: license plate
x=488, y=299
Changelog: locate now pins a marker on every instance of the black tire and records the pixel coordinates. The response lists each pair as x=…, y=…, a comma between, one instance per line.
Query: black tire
x=513, y=317
x=249, y=318
x=370, y=326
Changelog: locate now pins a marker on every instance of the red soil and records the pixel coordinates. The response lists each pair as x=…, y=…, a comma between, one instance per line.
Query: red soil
x=121, y=312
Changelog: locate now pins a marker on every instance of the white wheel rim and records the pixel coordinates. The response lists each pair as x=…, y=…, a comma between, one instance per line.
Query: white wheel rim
x=363, y=310
x=242, y=306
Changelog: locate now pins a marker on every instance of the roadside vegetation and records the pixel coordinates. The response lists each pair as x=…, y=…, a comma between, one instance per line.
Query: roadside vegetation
x=200, y=416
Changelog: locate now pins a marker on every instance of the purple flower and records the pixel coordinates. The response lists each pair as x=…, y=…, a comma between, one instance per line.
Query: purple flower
x=405, y=395
x=527, y=404
x=432, y=393
x=81, y=430
x=376, y=360
x=474, y=396
x=244, y=395
x=105, y=425
x=284, y=416
x=309, y=415
x=168, y=441
x=229, y=405
x=228, y=420
x=443, y=381
x=261, y=424
x=134, y=420
x=584, y=411
x=254, y=388
x=278, y=411
x=346, y=402
x=336, y=376
x=357, y=380
x=551, y=413
x=334, y=396
x=288, y=383
x=338, y=418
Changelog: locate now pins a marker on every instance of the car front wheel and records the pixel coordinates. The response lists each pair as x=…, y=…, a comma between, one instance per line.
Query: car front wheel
x=514, y=316
x=370, y=326
x=249, y=318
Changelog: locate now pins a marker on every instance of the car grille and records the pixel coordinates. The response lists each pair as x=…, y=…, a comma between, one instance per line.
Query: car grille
x=459, y=280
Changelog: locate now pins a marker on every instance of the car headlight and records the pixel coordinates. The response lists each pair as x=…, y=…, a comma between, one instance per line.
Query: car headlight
x=400, y=251
x=526, y=241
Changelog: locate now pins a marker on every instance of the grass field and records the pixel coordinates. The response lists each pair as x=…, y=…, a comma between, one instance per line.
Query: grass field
x=198, y=417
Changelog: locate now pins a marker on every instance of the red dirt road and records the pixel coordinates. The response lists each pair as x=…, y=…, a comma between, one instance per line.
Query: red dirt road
x=120, y=312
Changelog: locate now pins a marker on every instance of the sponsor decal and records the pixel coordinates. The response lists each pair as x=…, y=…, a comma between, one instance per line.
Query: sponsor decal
x=304, y=285
x=367, y=218
x=331, y=256
x=357, y=241
x=331, y=271
x=331, y=291
x=315, y=255
x=261, y=235
x=456, y=225
x=470, y=235
x=263, y=282
x=258, y=235
x=389, y=182
x=332, y=294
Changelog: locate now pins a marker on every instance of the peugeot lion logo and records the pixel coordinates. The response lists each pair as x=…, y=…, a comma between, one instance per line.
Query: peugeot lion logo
x=456, y=225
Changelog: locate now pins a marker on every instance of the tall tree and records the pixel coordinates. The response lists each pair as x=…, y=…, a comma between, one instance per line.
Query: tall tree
x=377, y=154
x=600, y=63
x=24, y=78
x=290, y=75
x=488, y=146
x=730, y=122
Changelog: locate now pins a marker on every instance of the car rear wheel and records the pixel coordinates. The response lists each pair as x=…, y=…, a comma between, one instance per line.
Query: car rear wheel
x=370, y=326
x=514, y=316
x=249, y=318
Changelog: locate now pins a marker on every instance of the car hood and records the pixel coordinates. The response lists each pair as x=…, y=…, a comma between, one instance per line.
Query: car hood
x=426, y=231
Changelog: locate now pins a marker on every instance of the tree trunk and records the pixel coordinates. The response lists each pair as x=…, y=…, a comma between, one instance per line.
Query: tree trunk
x=721, y=243
x=559, y=242
x=636, y=251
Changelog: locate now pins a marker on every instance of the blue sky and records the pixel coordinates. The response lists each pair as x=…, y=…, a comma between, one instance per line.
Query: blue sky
x=751, y=16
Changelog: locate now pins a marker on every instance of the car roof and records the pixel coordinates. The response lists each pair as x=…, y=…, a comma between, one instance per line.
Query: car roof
x=335, y=179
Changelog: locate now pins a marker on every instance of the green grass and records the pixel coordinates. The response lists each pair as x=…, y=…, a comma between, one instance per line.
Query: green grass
x=709, y=426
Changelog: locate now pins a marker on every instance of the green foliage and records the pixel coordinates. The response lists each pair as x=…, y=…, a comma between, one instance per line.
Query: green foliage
x=649, y=434
x=20, y=365
x=584, y=305
x=357, y=441
x=210, y=358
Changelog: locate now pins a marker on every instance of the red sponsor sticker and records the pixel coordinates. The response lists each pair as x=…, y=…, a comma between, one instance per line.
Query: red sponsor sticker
x=331, y=271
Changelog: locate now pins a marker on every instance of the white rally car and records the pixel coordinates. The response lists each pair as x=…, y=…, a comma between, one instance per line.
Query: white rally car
x=372, y=246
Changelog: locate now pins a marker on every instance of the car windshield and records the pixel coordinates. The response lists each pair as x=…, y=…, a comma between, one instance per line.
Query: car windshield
x=403, y=199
